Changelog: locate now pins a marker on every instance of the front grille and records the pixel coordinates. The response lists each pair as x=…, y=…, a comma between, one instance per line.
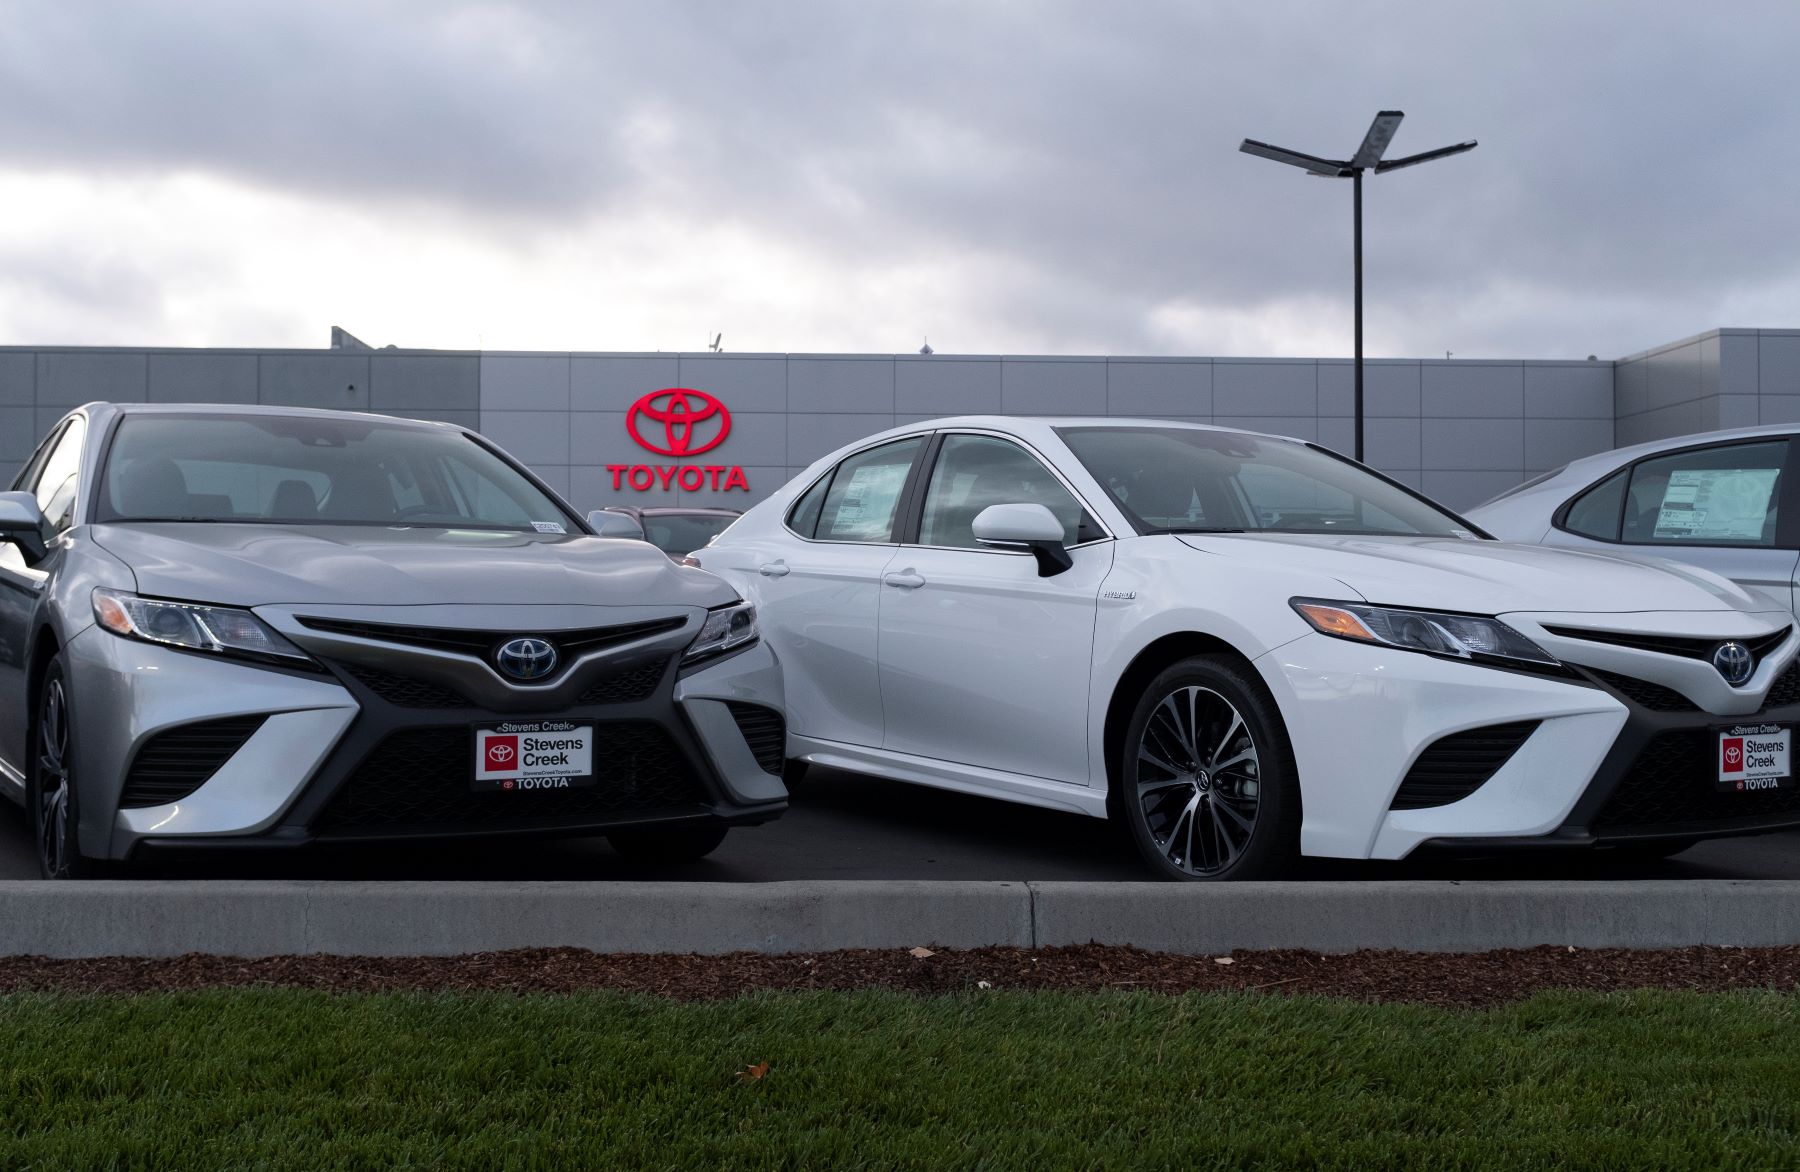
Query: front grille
x=482, y=643
x=418, y=781
x=174, y=763
x=625, y=686
x=1453, y=767
x=1786, y=688
x=1671, y=785
x=764, y=731
x=1658, y=698
x=1672, y=644
x=1644, y=693
x=406, y=691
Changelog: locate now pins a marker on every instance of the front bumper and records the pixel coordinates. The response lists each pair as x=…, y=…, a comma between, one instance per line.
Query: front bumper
x=1601, y=765
x=380, y=746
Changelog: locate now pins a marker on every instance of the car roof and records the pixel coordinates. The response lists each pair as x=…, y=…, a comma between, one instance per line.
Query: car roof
x=1006, y=421
x=1041, y=425
x=1625, y=455
x=241, y=409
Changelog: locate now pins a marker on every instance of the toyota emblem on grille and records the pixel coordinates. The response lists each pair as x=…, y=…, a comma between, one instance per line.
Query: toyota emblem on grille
x=1734, y=662
x=526, y=658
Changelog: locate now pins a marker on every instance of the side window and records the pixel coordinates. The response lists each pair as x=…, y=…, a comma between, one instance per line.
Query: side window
x=1595, y=513
x=803, y=518
x=28, y=475
x=976, y=471
x=865, y=494
x=1713, y=496
x=60, y=476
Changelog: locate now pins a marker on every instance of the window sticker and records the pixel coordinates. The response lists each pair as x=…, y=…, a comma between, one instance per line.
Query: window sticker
x=867, y=506
x=548, y=527
x=1715, y=504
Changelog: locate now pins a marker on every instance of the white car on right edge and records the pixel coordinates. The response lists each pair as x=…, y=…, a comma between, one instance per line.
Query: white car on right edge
x=1712, y=500
x=1247, y=648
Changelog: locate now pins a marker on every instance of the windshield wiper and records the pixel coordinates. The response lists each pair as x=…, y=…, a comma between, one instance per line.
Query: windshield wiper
x=1199, y=529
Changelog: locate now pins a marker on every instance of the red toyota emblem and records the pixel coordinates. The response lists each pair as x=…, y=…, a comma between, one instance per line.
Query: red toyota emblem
x=682, y=412
x=500, y=751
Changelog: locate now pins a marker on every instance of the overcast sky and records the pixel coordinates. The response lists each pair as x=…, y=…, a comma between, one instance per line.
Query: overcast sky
x=856, y=176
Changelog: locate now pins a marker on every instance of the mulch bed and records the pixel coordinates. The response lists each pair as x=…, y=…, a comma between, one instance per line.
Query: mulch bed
x=1448, y=979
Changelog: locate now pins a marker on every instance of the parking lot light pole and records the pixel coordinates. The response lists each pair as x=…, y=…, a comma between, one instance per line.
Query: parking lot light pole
x=1367, y=158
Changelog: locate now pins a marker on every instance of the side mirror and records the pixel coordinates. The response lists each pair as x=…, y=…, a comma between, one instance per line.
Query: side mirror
x=607, y=523
x=1032, y=526
x=22, y=523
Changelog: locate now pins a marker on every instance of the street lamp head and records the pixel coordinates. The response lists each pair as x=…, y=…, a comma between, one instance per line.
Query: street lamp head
x=1310, y=163
x=1368, y=156
x=1424, y=157
x=1375, y=143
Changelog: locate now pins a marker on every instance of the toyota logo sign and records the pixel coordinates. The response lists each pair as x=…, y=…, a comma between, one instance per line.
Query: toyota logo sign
x=526, y=658
x=1734, y=662
x=678, y=421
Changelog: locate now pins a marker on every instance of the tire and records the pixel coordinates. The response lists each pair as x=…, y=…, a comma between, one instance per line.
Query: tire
x=52, y=795
x=1220, y=805
x=668, y=844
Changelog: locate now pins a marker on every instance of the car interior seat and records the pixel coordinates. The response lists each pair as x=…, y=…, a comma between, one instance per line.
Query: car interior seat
x=294, y=501
x=151, y=487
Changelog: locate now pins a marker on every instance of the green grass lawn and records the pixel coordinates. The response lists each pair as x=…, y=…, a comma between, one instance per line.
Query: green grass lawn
x=271, y=1078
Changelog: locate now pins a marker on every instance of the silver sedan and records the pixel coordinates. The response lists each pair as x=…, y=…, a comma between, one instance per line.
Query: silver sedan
x=267, y=627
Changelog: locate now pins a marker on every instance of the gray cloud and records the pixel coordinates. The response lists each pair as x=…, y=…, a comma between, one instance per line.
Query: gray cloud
x=1633, y=179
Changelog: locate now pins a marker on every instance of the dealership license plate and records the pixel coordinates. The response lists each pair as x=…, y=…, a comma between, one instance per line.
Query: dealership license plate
x=1755, y=757
x=534, y=755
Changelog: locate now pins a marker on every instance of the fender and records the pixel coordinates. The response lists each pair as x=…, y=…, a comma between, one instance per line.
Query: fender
x=1169, y=588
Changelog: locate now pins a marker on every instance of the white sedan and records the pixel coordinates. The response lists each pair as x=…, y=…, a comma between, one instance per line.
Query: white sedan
x=1249, y=649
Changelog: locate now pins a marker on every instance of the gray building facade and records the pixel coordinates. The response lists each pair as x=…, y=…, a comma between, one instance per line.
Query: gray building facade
x=1459, y=430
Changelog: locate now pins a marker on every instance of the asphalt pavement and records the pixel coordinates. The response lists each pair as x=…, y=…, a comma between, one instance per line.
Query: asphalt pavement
x=846, y=826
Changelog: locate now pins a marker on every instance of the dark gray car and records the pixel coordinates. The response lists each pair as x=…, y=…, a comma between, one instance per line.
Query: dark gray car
x=264, y=627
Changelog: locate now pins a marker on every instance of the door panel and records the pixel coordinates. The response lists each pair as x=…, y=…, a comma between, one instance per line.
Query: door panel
x=818, y=606
x=984, y=662
x=816, y=581
x=20, y=589
x=53, y=476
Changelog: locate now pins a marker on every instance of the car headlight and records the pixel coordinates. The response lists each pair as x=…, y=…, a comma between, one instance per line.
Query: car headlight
x=1458, y=636
x=218, y=629
x=725, y=629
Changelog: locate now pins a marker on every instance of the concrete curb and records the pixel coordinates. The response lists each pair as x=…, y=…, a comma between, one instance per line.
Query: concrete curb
x=268, y=918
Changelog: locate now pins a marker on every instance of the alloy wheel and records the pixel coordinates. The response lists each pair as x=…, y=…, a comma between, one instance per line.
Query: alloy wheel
x=55, y=837
x=1198, y=780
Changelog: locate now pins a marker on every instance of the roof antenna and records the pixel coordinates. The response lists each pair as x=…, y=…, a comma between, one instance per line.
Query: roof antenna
x=714, y=345
x=926, y=348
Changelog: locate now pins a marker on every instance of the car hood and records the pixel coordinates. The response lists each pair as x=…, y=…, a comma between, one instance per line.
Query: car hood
x=258, y=565
x=1484, y=577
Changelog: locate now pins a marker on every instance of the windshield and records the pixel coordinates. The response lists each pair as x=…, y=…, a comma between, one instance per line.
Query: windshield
x=295, y=470
x=683, y=533
x=1186, y=480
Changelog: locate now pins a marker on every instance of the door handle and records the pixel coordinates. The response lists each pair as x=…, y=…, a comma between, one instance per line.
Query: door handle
x=774, y=569
x=905, y=580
